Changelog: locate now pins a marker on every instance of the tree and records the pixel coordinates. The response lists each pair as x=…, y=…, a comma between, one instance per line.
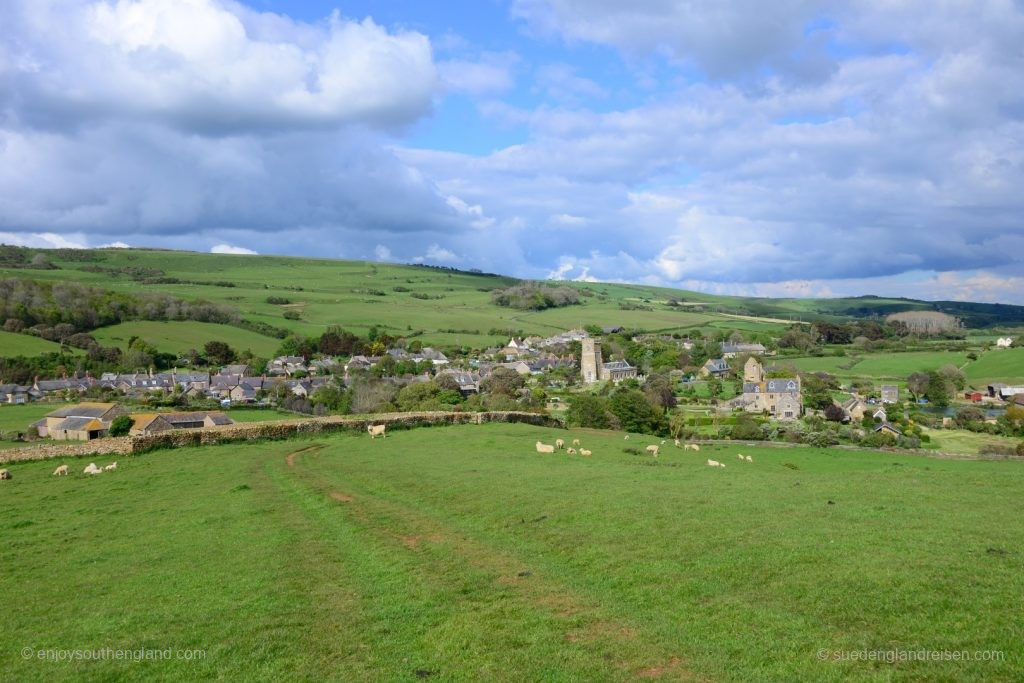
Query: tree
x=659, y=391
x=121, y=425
x=917, y=383
x=587, y=410
x=835, y=413
x=503, y=381
x=634, y=411
x=816, y=392
x=953, y=376
x=937, y=391
x=218, y=353
x=746, y=429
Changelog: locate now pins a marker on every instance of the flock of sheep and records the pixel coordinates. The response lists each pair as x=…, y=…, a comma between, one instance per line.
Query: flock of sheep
x=653, y=449
x=91, y=468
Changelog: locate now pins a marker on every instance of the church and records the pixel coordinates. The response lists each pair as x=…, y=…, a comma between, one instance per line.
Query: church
x=780, y=398
x=593, y=369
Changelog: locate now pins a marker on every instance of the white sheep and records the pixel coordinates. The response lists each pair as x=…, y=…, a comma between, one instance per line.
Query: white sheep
x=6, y=474
x=575, y=442
x=559, y=443
x=91, y=469
x=63, y=469
x=626, y=437
x=677, y=443
x=545, y=447
x=740, y=456
x=584, y=451
x=376, y=430
x=714, y=463
x=691, y=447
x=749, y=459
x=111, y=466
x=653, y=450
x=570, y=450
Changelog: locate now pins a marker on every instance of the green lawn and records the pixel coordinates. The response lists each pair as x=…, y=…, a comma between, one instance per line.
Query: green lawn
x=459, y=553
x=14, y=344
x=963, y=441
x=18, y=418
x=891, y=366
x=181, y=336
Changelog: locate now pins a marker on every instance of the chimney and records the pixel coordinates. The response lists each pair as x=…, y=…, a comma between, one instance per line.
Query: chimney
x=151, y=371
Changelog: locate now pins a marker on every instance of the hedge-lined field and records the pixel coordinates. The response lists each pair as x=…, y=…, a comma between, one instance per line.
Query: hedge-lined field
x=182, y=336
x=459, y=553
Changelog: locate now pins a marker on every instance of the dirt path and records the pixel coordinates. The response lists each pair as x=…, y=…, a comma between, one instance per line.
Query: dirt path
x=290, y=458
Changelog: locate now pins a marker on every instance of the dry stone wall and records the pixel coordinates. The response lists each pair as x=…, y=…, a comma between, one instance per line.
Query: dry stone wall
x=258, y=431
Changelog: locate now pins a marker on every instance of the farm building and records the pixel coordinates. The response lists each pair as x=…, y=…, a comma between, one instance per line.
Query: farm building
x=732, y=350
x=80, y=422
x=890, y=393
x=154, y=423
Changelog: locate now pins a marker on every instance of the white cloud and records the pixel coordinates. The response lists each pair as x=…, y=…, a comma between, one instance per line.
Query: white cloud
x=568, y=219
x=382, y=253
x=489, y=74
x=43, y=240
x=229, y=249
x=437, y=254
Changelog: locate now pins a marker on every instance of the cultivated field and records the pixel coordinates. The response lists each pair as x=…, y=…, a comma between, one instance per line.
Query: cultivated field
x=459, y=553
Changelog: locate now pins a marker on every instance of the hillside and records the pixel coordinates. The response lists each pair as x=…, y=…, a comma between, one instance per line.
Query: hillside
x=439, y=306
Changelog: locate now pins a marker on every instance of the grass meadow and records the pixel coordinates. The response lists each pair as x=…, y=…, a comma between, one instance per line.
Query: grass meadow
x=457, y=553
x=14, y=344
x=182, y=336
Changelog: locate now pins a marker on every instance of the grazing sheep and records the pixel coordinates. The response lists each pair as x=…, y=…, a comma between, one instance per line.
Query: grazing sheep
x=376, y=430
x=749, y=459
x=714, y=463
x=91, y=469
x=575, y=442
x=653, y=450
x=63, y=469
x=740, y=456
x=584, y=451
x=559, y=444
x=677, y=443
x=570, y=450
x=111, y=466
x=6, y=474
x=626, y=437
x=691, y=447
x=545, y=447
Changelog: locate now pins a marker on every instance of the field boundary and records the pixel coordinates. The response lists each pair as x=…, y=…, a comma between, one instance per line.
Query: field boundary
x=264, y=431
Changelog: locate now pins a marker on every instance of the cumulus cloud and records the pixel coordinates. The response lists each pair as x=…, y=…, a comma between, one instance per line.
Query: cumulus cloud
x=489, y=74
x=229, y=249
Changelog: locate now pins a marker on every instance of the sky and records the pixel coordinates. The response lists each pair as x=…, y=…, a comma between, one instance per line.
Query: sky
x=791, y=148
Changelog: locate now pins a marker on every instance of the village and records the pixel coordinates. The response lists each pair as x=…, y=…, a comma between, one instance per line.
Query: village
x=557, y=375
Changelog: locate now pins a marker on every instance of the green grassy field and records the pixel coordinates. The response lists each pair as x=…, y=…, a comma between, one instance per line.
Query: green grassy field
x=1002, y=365
x=968, y=443
x=181, y=336
x=13, y=344
x=19, y=417
x=892, y=366
x=459, y=553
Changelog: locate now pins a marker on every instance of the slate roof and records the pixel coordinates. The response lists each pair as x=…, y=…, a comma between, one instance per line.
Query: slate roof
x=782, y=385
x=89, y=410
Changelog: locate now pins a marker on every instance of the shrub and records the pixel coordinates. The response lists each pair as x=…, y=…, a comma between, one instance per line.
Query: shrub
x=1020, y=449
x=121, y=425
x=291, y=315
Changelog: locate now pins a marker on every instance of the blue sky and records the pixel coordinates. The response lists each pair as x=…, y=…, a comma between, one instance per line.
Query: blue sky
x=806, y=149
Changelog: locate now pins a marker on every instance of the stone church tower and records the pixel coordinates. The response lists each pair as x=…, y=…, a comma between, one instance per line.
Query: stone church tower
x=752, y=371
x=590, y=362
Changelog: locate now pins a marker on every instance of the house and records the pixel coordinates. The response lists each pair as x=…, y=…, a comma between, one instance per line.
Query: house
x=1004, y=342
x=890, y=393
x=287, y=365
x=361, y=363
x=80, y=422
x=780, y=398
x=520, y=366
x=995, y=388
x=888, y=428
x=468, y=382
x=44, y=387
x=1007, y=393
x=715, y=367
x=154, y=423
x=732, y=350
x=433, y=355
x=593, y=368
x=879, y=415
x=14, y=394
x=973, y=396
x=238, y=369
x=613, y=329
x=854, y=407
x=323, y=366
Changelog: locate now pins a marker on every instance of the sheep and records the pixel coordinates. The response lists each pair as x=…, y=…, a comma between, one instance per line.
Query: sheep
x=749, y=459
x=575, y=442
x=677, y=443
x=111, y=466
x=92, y=469
x=714, y=463
x=559, y=444
x=63, y=469
x=663, y=442
x=653, y=450
x=691, y=447
x=584, y=451
x=740, y=456
x=570, y=450
x=545, y=448
x=626, y=437
x=376, y=430
x=6, y=474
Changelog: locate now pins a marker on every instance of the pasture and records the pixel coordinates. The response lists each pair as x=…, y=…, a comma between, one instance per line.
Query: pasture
x=459, y=553
x=184, y=335
x=997, y=365
x=14, y=344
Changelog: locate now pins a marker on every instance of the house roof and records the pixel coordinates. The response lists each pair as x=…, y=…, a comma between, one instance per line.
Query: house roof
x=80, y=424
x=617, y=365
x=782, y=385
x=89, y=410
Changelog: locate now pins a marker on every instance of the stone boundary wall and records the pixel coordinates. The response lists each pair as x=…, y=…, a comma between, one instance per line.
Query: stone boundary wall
x=256, y=431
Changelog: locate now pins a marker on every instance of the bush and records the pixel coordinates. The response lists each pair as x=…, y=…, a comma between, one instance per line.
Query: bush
x=121, y=425
x=292, y=315
x=1020, y=449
